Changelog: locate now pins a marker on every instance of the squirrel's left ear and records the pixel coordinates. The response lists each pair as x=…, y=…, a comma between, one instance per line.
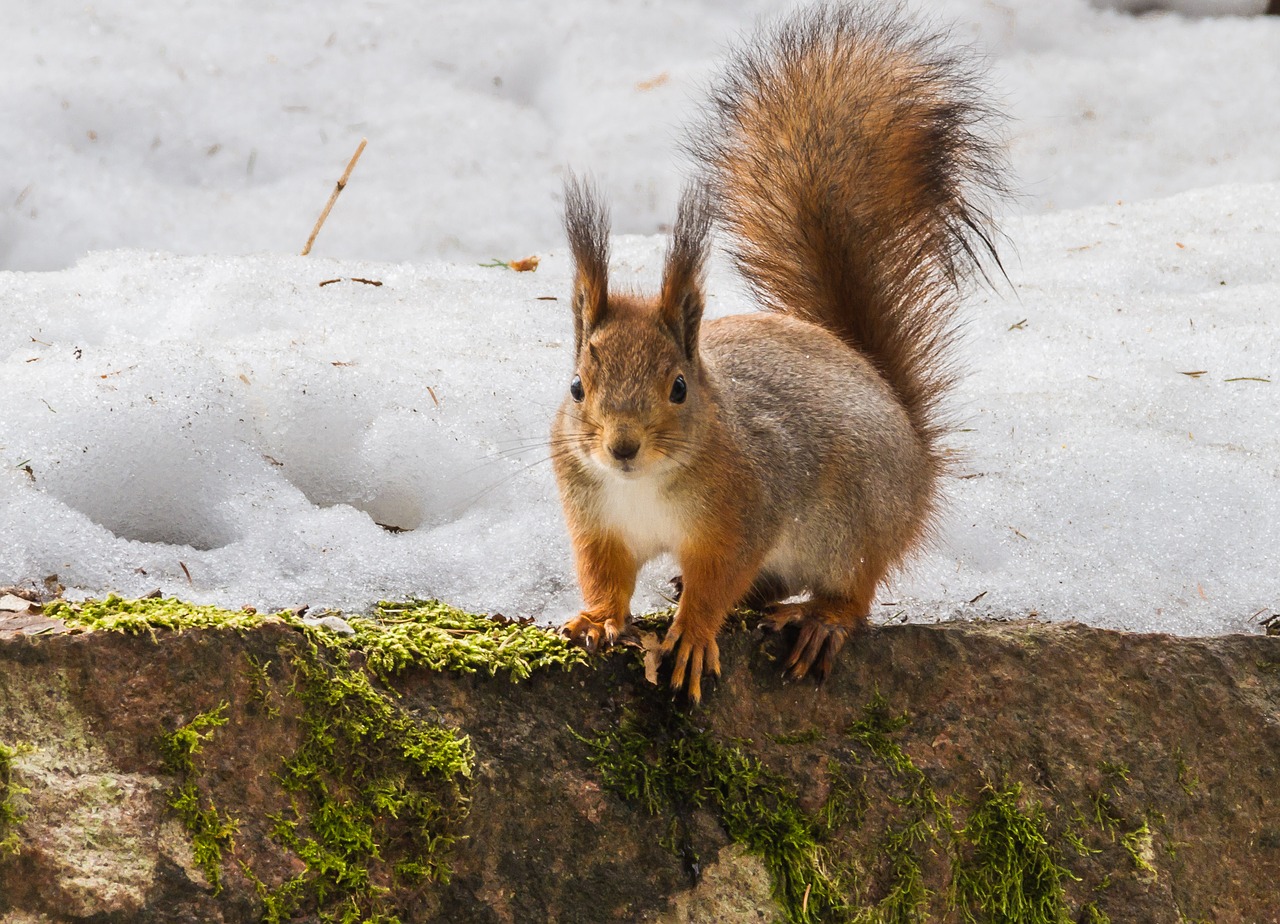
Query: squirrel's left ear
x=681, y=302
x=586, y=221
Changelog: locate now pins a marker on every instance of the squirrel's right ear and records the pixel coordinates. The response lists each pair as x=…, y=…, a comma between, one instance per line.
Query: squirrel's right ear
x=586, y=221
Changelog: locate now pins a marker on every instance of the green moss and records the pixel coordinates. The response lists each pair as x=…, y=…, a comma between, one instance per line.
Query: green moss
x=907, y=897
x=1005, y=868
x=1115, y=771
x=657, y=621
x=417, y=633
x=179, y=748
x=808, y=736
x=1134, y=837
x=428, y=633
x=1076, y=841
x=1092, y=914
x=1105, y=816
x=114, y=614
x=1004, y=865
x=211, y=831
x=1010, y=873
x=925, y=823
x=873, y=732
x=374, y=793
x=10, y=816
x=1186, y=779
x=258, y=674
x=1138, y=845
x=666, y=765
x=846, y=804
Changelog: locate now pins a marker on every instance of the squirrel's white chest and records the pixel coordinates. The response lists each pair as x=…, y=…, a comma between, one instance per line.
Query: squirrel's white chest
x=642, y=512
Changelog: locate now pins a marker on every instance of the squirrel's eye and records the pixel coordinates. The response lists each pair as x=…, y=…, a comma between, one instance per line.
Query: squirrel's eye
x=575, y=388
x=679, y=390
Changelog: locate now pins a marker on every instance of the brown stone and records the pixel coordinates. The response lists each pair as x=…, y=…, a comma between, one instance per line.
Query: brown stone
x=1183, y=734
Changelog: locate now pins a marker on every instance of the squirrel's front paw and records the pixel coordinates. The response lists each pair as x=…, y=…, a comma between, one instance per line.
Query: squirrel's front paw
x=694, y=656
x=592, y=633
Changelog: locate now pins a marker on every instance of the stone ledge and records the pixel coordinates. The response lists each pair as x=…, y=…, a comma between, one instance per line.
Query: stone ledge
x=1150, y=763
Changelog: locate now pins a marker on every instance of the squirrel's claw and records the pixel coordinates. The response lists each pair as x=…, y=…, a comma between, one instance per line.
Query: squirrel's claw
x=815, y=650
x=693, y=659
x=817, y=643
x=593, y=634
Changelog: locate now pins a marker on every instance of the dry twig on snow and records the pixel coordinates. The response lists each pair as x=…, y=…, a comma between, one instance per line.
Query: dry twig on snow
x=342, y=184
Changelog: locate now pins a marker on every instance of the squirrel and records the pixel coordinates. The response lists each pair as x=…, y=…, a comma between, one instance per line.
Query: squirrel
x=798, y=450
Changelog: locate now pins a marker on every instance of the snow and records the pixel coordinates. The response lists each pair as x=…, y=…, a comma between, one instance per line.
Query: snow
x=197, y=412
x=221, y=128
x=1104, y=482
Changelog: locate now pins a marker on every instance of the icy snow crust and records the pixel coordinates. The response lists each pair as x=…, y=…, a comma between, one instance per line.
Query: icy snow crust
x=229, y=430
x=235, y=416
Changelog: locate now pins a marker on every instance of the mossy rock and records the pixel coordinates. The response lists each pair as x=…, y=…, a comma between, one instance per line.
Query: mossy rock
x=435, y=765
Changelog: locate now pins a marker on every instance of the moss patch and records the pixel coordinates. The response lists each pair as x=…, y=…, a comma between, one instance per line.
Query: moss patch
x=211, y=831
x=10, y=816
x=135, y=617
x=1138, y=844
x=995, y=858
x=923, y=822
x=1092, y=914
x=1011, y=874
x=431, y=634
x=1112, y=820
x=1186, y=778
x=374, y=794
x=665, y=764
x=394, y=638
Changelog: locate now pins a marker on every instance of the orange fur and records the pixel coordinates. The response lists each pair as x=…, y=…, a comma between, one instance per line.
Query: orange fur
x=607, y=575
x=715, y=577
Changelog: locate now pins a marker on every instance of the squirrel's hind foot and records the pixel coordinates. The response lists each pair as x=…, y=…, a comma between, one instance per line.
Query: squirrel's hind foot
x=822, y=629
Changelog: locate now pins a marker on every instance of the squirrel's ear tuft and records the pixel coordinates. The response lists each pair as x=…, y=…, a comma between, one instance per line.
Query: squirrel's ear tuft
x=586, y=221
x=681, y=302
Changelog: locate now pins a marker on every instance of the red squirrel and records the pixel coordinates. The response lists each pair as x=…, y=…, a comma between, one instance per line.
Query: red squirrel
x=795, y=450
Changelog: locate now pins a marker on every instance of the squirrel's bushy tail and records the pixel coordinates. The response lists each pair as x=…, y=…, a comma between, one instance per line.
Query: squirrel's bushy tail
x=848, y=152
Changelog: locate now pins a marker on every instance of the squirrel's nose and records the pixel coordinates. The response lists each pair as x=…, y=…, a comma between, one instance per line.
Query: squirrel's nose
x=624, y=450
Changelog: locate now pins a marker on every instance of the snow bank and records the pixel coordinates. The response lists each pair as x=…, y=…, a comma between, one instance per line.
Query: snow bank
x=233, y=430
x=220, y=128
